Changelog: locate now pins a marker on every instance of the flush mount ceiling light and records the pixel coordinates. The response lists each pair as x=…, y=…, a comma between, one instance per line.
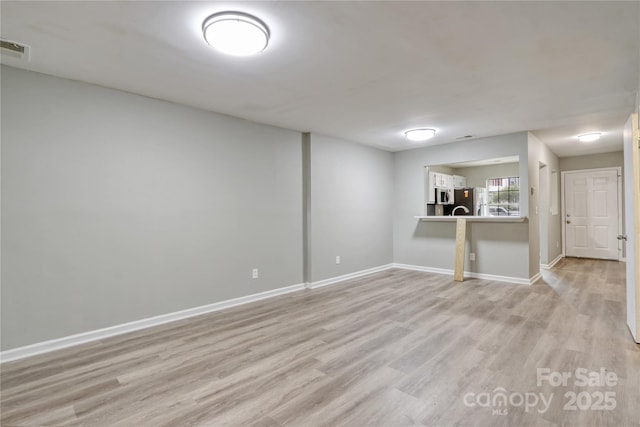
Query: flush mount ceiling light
x=236, y=33
x=590, y=137
x=419, y=134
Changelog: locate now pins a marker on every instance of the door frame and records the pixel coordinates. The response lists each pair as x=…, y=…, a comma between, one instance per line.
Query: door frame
x=563, y=218
x=544, y=199
x=632, y=158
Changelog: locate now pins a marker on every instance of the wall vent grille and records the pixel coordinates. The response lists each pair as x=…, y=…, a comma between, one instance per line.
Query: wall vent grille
x=11, y=49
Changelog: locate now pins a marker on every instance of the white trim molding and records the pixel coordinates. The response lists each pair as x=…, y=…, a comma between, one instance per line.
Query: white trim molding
x=98, y=334
x=469, y=274
x=337, y=279
x=535, y=278
x=552, y=263
x=424, y=269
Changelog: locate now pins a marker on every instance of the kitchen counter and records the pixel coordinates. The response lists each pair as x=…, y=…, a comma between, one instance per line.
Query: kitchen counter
x=474, y=218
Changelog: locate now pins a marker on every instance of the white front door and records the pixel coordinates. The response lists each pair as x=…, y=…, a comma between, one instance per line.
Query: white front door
x=591, y=213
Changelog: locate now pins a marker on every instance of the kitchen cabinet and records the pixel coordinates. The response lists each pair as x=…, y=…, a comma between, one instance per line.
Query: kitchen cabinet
x=435, y=180
x=443, y=180
x=448, y=181
x=459, y=181
x=430, y=186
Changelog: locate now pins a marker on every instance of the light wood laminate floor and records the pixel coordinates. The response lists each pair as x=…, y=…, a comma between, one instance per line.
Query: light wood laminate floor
x=396, y=348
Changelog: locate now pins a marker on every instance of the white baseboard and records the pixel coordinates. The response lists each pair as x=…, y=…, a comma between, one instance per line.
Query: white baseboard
x=85, y=337
x=337, y=279
x=423, y=268
x=552, y=263
x=469, y=274
x=636, y=338
x=508, y=279
x=535, y=278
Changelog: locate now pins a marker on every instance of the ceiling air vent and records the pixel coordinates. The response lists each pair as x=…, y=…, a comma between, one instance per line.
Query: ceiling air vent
x=13, y=49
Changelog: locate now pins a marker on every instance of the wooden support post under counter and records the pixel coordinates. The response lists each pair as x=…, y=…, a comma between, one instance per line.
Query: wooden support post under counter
x=458, y=269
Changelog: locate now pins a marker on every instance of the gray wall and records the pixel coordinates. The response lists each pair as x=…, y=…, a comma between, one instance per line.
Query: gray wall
x=117, y=207
x=501, y=249
x=441, y=169
x=592, y=161
x=351, y=207
x=545, y=228
x=477, y=175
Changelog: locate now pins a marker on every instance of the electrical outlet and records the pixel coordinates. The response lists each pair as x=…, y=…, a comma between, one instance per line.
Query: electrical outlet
x=254, y=273
x=472, y=256
x=338, y=259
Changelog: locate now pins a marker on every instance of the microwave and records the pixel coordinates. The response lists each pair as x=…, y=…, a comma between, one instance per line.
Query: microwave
x=444, y=196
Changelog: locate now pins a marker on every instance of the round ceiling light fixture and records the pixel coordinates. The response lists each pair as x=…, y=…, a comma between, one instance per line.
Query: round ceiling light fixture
x=420, y=134
x=236, y=33
x=590, y=137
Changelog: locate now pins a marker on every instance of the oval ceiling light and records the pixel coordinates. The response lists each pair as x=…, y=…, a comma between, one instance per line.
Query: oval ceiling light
x=420, y=134
x=590, y=137
x=236, y=33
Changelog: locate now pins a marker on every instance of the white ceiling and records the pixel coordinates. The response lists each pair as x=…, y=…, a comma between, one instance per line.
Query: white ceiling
x=362, y=71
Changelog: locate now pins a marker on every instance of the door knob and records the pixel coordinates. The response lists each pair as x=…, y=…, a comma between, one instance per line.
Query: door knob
x=568, y=222
x=568, y=215
x=622, y=237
